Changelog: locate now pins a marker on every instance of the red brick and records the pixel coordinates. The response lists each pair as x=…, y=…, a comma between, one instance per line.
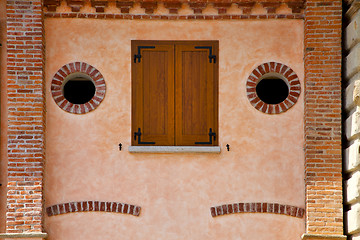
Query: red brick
x=318, y=79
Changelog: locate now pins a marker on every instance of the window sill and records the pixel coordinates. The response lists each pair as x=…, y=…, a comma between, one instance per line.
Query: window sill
x=173, y=149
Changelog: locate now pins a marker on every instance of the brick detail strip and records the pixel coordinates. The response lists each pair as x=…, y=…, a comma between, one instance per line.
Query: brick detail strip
x=289, y=76
x=257, y=207
x=93, y=206
x=246, y=6
x=322, y=126
x=26, y=115
x=61, y=76
x=75, y=5
x=172, y=17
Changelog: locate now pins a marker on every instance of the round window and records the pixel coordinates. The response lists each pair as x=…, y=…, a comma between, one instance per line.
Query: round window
x=272, y=91
x=273, y=88
x=79, y=90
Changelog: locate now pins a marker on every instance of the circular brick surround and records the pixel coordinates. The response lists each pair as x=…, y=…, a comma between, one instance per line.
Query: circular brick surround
x=63, y=74
x=286, y=73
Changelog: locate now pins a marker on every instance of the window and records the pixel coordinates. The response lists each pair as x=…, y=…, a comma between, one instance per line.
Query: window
x=175, y=93
x=79, y=90
x=273, y=88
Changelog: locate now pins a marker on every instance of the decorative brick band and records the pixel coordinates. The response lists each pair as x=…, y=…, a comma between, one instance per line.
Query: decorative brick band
x=62, y=75
x=93, y=206
x=173, y=6
x=287, y=74
x=173, y=17
x=257, y=208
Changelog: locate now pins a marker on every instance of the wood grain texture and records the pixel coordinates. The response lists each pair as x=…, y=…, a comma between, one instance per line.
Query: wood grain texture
x=174, y=93
x=195, y=95
x=153, y=98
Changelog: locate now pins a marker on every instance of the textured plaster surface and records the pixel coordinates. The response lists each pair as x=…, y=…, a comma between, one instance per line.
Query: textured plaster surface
x=264, y=164
x=352, y=95
x=352, y=126
x=351, y=156
x=354, y=215
x=352, y=34
x=353, y=188
x=351, y=62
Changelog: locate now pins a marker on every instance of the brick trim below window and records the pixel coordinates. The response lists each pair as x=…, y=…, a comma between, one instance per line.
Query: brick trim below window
x=61, y=76
x=257, y=207
x=288, y=75
x=93, y=206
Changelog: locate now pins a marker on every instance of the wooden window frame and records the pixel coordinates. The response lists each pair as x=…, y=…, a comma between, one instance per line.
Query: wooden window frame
x=175, y=126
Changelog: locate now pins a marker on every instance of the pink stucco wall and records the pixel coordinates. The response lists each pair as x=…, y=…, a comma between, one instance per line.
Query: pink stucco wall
x=175, y=191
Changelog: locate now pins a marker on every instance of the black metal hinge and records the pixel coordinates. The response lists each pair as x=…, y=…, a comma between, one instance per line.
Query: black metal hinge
x=211, y=56
x=211, y=135
x=138, y=135
x=138, y=56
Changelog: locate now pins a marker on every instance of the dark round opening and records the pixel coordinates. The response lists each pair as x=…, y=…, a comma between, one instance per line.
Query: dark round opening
x=272, y=91
x=79, y=90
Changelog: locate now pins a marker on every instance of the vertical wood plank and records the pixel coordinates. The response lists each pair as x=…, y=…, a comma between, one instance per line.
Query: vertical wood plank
x=195, y=94
x=153, y=94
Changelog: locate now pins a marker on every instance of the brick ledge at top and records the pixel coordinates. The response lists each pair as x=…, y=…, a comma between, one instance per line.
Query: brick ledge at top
x=182, y=1
x=173, y=5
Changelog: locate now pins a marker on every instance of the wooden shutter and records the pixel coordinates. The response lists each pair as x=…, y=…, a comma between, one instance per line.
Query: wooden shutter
x=153, y=93
x=195, y=94
x=174, y=93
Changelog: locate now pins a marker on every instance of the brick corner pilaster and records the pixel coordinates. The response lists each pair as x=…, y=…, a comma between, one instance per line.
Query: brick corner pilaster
x=26, y=118
x=322, y=120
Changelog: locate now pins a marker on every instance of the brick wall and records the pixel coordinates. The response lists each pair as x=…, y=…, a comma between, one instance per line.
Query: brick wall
x=324, y=214
x=3, y=115
x=26, y=115
x=26, y=119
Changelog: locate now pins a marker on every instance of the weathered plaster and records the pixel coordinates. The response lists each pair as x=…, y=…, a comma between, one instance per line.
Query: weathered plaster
x=265, y=162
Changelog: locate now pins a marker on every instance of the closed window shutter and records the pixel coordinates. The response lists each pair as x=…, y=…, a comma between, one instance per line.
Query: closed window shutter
x=153, y=96
x=196, y=96
x=174, y=93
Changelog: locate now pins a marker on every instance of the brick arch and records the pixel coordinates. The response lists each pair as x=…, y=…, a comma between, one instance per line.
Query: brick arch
x=288, y=75
x=61, y=76
x=257, y=207
x=93, y=206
